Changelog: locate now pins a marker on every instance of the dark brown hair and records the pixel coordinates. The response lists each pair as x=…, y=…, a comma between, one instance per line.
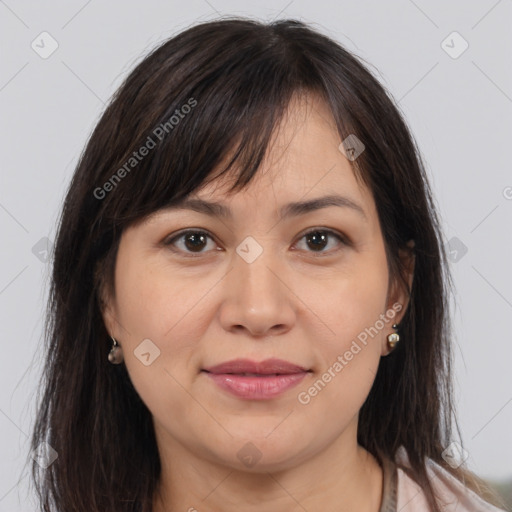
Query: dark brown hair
x=217, y=89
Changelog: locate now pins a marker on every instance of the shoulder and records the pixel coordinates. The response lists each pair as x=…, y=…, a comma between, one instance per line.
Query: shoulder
x=453, y=494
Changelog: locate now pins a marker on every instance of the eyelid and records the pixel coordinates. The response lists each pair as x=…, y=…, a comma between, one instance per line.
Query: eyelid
x=342, y=238
x=334, y=232
x=169, y=240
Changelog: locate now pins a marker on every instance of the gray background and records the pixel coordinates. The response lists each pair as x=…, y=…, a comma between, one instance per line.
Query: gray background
x=459, y=110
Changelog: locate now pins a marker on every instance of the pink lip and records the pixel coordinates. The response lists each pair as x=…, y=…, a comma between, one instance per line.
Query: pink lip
x=266, y=367
x=273, y=377
x=263, y=387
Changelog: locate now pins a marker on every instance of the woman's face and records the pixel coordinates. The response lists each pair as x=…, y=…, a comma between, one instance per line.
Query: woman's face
x=256, y=285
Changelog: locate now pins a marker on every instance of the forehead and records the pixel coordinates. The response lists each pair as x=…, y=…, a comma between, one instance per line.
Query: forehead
x=303, y=161
x=304, y=170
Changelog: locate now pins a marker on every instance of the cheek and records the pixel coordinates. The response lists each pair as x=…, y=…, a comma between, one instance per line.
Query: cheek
x=350, y=356
x=152, y=302
x=151, y=307
x=154, y=305
x=354, y=302
x=349, y=362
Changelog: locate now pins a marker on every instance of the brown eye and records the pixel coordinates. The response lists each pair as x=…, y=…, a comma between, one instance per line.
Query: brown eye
x=192, y=241
x=318, y=239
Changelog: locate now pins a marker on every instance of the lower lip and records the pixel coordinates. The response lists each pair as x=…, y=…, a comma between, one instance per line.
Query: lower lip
x=256, y=388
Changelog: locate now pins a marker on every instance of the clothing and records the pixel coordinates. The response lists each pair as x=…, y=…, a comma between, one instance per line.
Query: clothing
x=400, y=493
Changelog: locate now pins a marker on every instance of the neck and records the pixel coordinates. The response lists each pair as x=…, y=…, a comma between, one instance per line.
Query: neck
x=340, y=478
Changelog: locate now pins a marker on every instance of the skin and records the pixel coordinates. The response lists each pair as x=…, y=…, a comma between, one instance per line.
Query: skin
x=297, y=301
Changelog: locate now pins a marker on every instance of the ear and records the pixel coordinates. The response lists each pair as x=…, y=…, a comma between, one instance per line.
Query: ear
x=109, y=319
x=106, y=304
x=398, y=296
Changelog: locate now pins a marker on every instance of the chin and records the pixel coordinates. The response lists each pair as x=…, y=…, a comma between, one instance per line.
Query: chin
x=259, y=454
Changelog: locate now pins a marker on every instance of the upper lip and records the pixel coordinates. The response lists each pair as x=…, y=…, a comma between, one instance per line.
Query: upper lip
x=266, y=367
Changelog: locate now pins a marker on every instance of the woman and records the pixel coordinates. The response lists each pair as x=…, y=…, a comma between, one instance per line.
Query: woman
x=249, y=295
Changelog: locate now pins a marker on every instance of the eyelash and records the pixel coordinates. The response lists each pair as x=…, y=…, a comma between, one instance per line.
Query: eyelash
x=169, y=242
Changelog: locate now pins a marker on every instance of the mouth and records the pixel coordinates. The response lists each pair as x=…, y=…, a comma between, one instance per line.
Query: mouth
x=251, y=380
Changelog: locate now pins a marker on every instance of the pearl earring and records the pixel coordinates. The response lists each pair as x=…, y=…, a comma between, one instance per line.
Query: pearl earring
x=393, y=338
x=115, y=355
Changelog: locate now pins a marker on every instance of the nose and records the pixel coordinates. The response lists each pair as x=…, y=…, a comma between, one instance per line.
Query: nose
x=257, y=299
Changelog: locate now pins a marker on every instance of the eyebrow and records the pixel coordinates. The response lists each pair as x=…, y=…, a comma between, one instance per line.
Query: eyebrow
x=289, y=210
